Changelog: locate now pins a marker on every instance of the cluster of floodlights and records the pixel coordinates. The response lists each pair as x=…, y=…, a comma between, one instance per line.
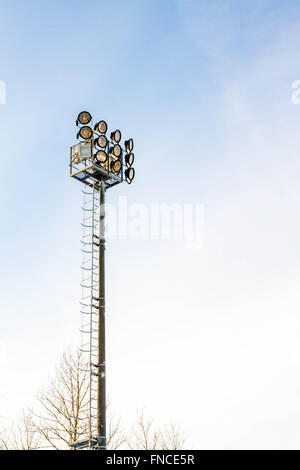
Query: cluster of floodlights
x=108, y=153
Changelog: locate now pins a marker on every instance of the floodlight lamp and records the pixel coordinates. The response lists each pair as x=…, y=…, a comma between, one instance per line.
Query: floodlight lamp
x=85, y=132
x=101, y=141
x=115, y=166
x=128, y=145
x=116, y=136
x=129, y=174
x=101, y=156
x=101, y=127
x=116, y=150
x=84, y=118
x=129, y=159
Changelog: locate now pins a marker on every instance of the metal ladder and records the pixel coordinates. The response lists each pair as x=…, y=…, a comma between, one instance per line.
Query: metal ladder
x=90, y=302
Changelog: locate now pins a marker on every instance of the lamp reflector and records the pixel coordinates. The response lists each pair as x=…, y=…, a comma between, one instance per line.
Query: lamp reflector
x=85, y=132
x=129, y=174
x=101, y=156
x=116, y=150
x=129, y=145
x=101, y=127
x=115, y=165
x=101, y=141
x=129, y=159
x=116, y=136
x=84, y=117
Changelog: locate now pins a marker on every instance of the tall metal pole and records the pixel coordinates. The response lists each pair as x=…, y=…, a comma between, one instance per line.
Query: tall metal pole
x=89, y=169
x=101, y=392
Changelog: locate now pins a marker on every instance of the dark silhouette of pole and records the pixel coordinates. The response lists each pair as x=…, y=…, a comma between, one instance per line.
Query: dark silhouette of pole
x=101, y=399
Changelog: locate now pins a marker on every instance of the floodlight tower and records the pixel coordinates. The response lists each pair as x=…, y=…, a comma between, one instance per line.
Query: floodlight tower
x=99, y=162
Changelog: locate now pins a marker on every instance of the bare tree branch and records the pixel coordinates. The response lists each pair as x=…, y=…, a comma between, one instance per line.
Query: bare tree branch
x=20, y=435
x=144, y=436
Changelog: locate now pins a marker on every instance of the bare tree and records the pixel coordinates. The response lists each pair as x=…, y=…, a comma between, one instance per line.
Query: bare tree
x=63, y=416
x=58, y=421
x=20, y=435
x=115, y=437
x=144, y=436
x=171, y=438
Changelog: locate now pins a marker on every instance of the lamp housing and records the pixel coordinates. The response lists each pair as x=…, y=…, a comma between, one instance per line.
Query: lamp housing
x=116, y=136
x=129, y=145
x=101, y=127
x=83, y=118
x=85, y=132
x=129, y=174
x=129, y=159
x=116, y=150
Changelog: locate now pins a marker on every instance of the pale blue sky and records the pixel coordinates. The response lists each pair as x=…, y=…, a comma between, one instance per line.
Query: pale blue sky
x=209, y=339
